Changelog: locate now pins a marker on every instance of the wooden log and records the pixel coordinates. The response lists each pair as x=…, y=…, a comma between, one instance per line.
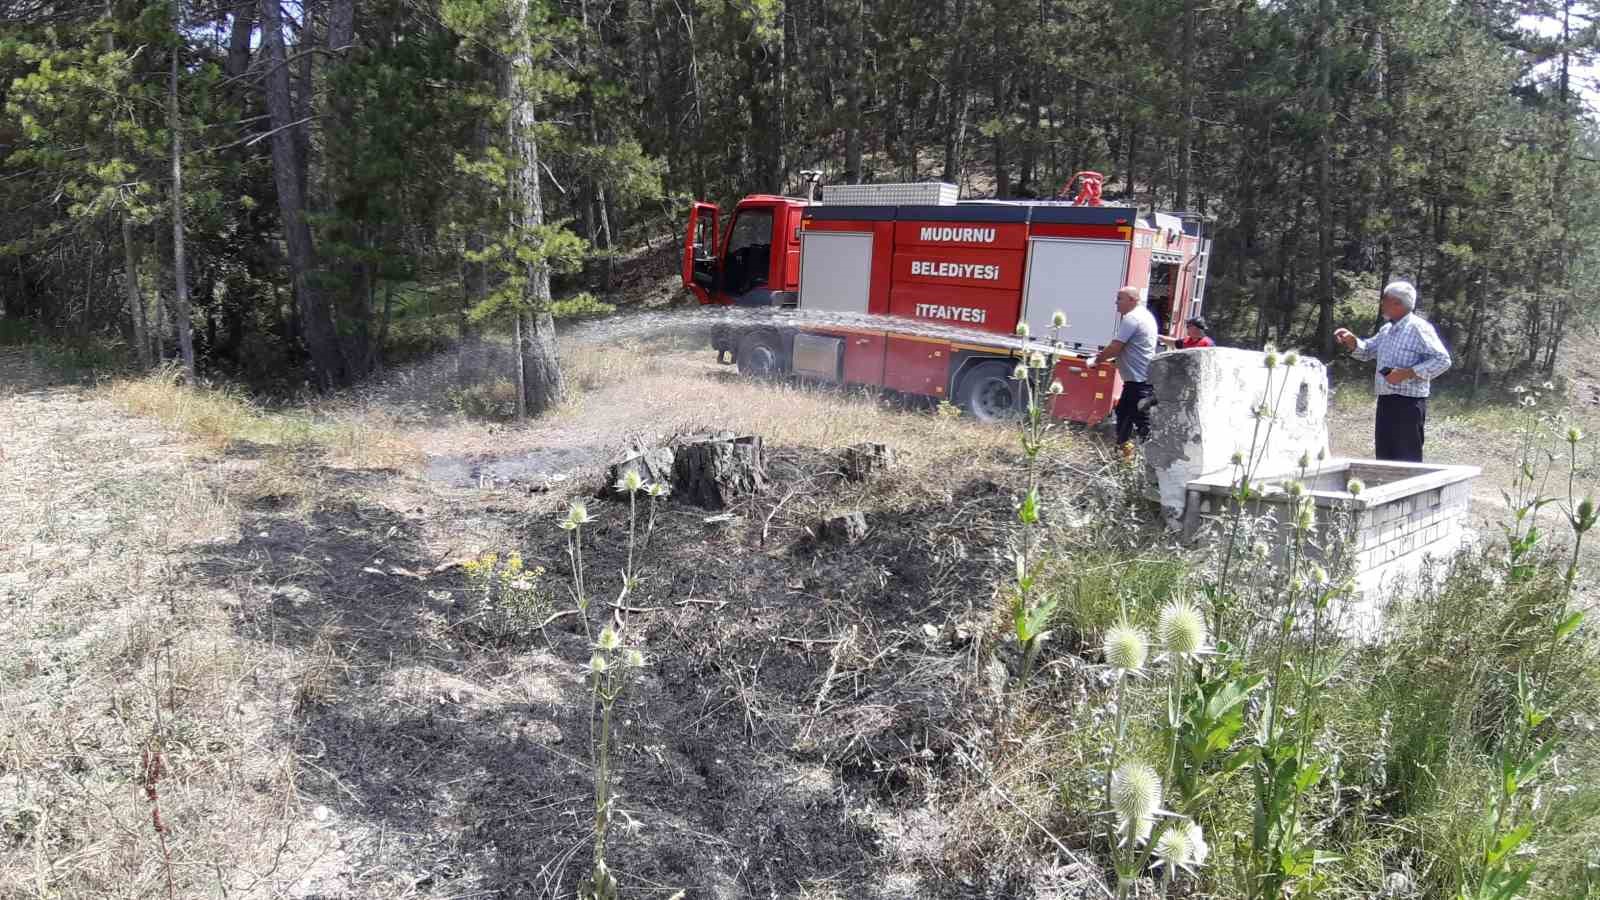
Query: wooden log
x=711, y=473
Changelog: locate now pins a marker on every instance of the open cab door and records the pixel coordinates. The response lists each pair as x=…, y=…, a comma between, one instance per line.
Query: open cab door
x=700, y=251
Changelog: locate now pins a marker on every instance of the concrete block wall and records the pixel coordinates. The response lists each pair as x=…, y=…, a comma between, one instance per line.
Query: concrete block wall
x=1206, y=400
x=1398, y=542
x=1413, y=512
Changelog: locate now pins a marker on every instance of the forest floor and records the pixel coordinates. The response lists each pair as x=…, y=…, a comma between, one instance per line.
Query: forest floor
x=262, y=626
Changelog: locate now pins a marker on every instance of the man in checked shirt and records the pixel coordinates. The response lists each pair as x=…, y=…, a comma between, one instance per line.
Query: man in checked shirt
x=1410, y=355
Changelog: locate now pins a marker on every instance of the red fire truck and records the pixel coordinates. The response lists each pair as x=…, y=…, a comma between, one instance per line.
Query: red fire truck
x=905, y=287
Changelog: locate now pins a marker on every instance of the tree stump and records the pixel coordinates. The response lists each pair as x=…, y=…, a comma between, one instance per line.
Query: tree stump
x=712, y=473
x=654, y=464
x=846, y=527
x=862, y=461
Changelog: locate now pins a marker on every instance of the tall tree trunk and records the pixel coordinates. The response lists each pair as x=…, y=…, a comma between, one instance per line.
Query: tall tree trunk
x=1002, y=112
x=854, y=74
x=1324, y=187
x=158, y=329
x=316, y=326
x=130, y=256
x=244, y=21
x=956, y=99
x=1187, y=86
x=539, y=366
x=180, y=265
x=1133, y=158
x=596, y=221
x=522, y=375
x=130, y=281
x=341, y=26
x=1386, y=68
x=778, y=176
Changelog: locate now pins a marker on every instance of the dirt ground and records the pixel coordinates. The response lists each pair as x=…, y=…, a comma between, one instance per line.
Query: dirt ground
x=293, y=639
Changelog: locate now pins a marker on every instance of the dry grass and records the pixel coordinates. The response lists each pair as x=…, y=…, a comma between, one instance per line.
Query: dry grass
x=115, y=654
x=221, y=418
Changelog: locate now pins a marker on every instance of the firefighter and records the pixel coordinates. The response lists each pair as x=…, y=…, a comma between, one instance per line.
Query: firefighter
x=1409, y=356
x=1194, y=335
x=1133, y=348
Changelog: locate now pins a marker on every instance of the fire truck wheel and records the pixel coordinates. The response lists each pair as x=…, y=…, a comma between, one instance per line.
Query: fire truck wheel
x=761, y=355
x=988, y=394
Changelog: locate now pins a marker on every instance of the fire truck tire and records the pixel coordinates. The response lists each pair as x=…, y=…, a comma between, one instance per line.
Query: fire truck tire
x=761, y=355
x=988, y=394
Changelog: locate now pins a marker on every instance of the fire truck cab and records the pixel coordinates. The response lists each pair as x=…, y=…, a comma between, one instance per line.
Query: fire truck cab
x=907, y=288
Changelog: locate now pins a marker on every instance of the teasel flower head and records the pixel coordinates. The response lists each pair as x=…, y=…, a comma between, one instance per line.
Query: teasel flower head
x=1585, y=518
x=1135, y=799
x=1306, y=517
x=1181, y=847
x=1022, y=329
x=577, y=516
x=1058, y=319
x=1126, y=648
x=1183, y=630
x=630, y=482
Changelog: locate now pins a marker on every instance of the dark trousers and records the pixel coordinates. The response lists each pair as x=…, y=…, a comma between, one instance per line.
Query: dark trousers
x=1129, y=416
x=1398, y=431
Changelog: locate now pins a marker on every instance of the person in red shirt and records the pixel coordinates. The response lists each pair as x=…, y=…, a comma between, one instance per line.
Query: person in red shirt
x=1196, y=334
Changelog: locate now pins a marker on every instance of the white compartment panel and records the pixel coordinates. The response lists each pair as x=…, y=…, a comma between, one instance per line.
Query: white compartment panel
x=835, y=271
x=1080, y=278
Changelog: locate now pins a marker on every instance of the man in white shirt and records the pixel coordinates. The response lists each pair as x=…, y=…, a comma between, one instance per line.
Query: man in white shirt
x=1409, y=356
x=1133, y=348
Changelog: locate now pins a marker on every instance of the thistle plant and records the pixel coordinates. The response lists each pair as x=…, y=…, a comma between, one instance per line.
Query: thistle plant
x=1030, y=612
x=1286, y=769
x=1527, y=497
x=631, y=483
x=1126, y=648
x=1244, y=488
x=577, y=517
x=655, y=491
x=1525, y=755
x=1140, y=828
x=1135, y=802
x=611, y=669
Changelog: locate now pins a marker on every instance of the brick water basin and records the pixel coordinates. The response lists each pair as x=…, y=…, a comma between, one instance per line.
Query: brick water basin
x=1405, y=514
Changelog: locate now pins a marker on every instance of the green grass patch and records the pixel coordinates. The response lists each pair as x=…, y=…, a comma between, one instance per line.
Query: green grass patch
x=1094, y=587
